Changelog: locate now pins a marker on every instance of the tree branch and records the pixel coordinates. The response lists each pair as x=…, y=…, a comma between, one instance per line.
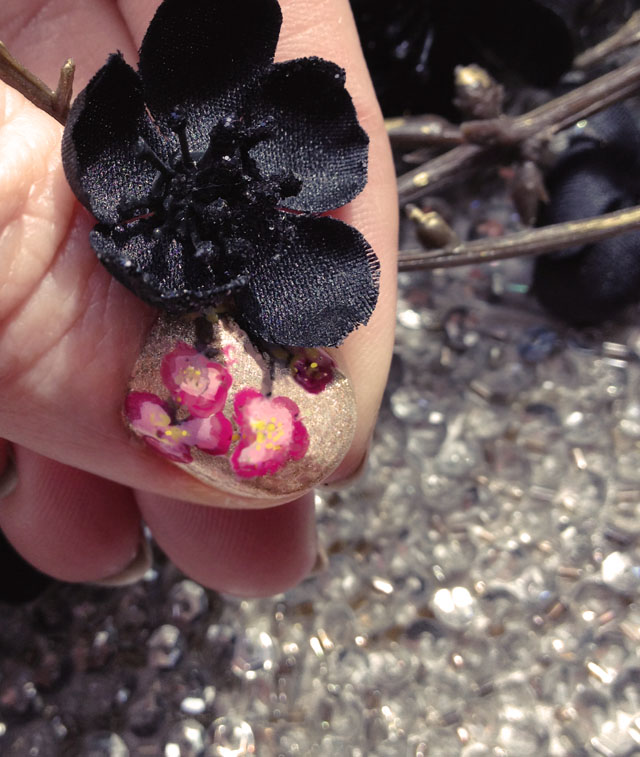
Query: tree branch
x=504, y=131
x=411, y=132
x=627, y=35
x=523, y=243
x=55, y=103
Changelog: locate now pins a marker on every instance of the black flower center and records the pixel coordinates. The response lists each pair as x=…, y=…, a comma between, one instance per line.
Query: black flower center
x=211, y=202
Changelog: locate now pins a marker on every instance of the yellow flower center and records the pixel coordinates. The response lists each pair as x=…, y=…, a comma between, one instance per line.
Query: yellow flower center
x=175, y=434
x=194, y=377
x=158, y=418
x=268, y=433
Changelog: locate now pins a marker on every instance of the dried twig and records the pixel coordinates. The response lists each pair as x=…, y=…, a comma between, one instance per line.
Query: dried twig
x=523, y=243
x=508, y=132
x=627, y=35
x=54, y=102
x=422, y=131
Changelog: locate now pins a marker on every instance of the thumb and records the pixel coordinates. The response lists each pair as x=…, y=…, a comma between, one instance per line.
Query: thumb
x=70, y=336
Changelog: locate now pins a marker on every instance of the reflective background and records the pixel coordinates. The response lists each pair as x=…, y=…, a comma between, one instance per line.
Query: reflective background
x=482, y=586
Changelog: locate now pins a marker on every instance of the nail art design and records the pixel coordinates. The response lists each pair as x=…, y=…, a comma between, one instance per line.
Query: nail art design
x=198, y=384
x=312, y=369
x=269, y=422
x=210, y=170
x=270, y=433
x=154, y=421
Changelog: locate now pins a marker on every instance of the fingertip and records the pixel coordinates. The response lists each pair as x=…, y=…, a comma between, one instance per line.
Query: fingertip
x=249, y=553
x=69, y=524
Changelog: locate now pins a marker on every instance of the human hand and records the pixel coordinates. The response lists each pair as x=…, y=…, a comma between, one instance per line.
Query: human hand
x=70, y=335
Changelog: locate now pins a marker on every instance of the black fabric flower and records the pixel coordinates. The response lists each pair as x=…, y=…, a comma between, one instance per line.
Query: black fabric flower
x=598, y=173
x=207, y=167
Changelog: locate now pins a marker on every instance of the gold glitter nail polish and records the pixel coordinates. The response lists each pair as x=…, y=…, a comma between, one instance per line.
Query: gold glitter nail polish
x=263, y=422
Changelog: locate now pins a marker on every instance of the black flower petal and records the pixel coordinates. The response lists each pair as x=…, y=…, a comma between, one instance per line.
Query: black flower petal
x=200, y=55
x=99, y=144
x=191, y=163
x=324, y=281
x=309, y=105
x=599, y=173
x=594, y=284
x=155, y=269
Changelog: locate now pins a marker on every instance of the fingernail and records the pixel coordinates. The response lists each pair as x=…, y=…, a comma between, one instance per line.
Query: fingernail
x=321, y=563
x=251, y=420
x=357, y=473
x=135, y=570
x=9, y=476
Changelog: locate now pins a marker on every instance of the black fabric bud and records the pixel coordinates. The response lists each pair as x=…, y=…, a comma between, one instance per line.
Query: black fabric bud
x=598, y=173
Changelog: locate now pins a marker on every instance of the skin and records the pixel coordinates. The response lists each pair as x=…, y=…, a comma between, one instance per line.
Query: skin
x=70, y=334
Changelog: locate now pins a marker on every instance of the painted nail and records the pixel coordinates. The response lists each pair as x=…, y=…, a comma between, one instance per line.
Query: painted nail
x=9, y=476
x=252, y=420
x=134, y=571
